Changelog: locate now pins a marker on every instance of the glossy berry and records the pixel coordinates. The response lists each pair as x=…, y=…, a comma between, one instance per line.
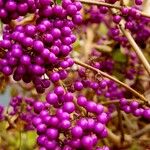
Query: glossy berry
x=69, y=107
x=78, y=86
x=77, y=132
x=52, y=98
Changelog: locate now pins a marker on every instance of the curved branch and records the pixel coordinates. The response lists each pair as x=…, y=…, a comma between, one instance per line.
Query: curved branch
x=99, y=3
x=111, y=78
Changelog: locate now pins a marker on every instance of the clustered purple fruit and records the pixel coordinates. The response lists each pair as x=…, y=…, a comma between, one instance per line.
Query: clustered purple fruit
x=81, y=121
x=12, y=9
x=35, y=50
x=133, y=69
x=108, y=89
x=39, y=52
x=102, y=61
x=95, y=14
x=135, y=108
x=134, y=21
x=130, y=67
x=63, y=118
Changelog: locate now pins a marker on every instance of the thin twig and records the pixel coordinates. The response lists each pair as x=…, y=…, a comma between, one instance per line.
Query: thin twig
x=111, y=78
x=99, y=3
x=141, y=132
x=120, y=125
x=116, y=139
x=117, y=101
x=88, y=42
x=113, y=137
x=11, y=124
x=128, y=122
x=144, y=78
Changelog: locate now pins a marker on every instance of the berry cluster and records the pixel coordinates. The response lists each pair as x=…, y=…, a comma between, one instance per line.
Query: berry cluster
x=60, y=116
x=95, y=14
x=36, y=47
x=129, y=66
x=101, y=86
x=32, y=51
x=135, y=23
x=135, y=108
x=13, y=9
x=64, y=117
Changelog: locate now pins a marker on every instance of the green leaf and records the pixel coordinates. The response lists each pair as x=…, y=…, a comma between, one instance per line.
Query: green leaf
x=119, y=57
x=103, y=29
x=31, y=138
x=76, y=45
x=3, y=126
x=58, y=1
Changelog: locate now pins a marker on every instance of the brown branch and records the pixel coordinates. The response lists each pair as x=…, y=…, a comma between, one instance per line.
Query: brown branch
x=128, y=122
x=98, y=3
x=117, y=101
x=139, y=133
x=120, y=125
x=135, y=47
x=116, y=139
x=93, y=2
x=144, y=14
x=144, y=78
x=111, y=78
x=29, y=19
